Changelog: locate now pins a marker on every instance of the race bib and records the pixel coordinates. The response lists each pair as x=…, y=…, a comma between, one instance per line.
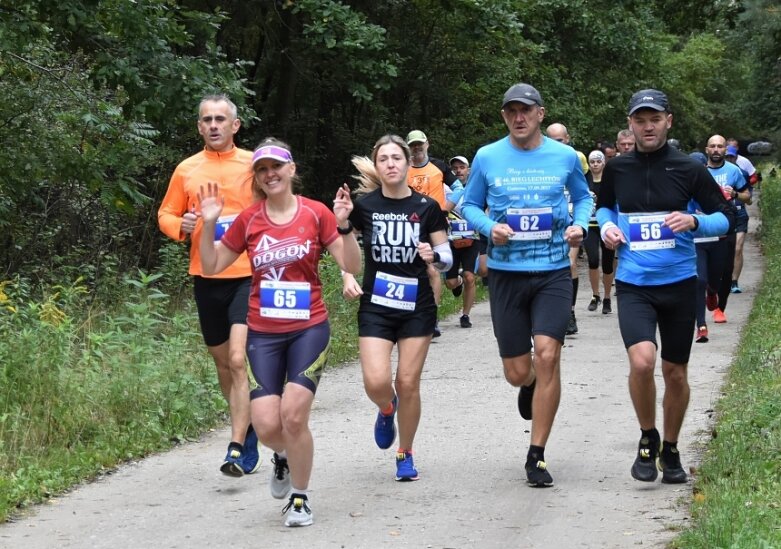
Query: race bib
x=223, y=224
x=396, y=292
x=648, y=232
x=530, y=223
x=280, y=299
x=461, y=228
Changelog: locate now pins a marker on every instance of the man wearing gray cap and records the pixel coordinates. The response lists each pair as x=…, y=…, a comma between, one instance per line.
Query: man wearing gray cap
x=522, y=179
x=642, y=210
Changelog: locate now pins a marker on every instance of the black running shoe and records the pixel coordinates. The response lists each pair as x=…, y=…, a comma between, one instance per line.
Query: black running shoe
x=595, y=301
x=525, y=396
x=646, y=463
x=537, y=475
x=572, y=325
x=437, y=331
x=458, y=290
x=465, y=322
x=672, y=472
x=606, y=308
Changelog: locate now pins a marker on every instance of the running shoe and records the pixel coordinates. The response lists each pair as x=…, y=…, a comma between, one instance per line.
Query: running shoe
x=525, y=395
x=232, y=465
x=297, y=511
x=385, y=427
x=595, y=301
x=572, y=326
x=250, y=458
x=280, y=477
x=672, y=472
x=405, y=467
x=437, y=331
x=702, y=334
x=458, y=290
x=711, y=301
x=465, y=322
x=646, y=462
x=537, y=475
x=606, y=307
x=719, y=317
x=735, y=289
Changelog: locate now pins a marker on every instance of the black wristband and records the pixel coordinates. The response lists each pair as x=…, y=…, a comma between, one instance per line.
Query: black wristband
x=436, y=258
x=585, y=232
x=696, y=223
x=347, y=230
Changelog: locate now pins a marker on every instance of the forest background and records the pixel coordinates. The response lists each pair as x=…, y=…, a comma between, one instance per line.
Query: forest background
x=99, y=98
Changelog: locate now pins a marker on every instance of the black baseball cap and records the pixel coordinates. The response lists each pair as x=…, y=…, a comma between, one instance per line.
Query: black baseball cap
x=647, y=99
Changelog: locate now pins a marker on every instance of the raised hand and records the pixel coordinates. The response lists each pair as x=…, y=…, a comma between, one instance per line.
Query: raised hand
x=343, y=204
x=210, y=202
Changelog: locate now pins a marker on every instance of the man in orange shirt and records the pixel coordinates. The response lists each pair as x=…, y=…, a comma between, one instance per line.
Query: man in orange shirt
x=429, y=176
x=222, y=300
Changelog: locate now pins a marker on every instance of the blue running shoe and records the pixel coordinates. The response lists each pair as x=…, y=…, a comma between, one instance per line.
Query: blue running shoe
x=232, y=464
x=385, y=427
x=405, y=467
x=250, y=458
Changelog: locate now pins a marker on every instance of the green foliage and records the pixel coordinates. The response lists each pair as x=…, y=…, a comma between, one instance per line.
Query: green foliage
x=737, y=492
x=93, y=389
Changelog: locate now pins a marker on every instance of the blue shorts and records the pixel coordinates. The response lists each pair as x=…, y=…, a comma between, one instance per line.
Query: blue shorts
x=527, y=304
x=671, y=307
x=298, y=357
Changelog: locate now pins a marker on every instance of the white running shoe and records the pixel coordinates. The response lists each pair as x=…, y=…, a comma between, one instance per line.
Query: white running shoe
x=280, y=477
x=297, y=511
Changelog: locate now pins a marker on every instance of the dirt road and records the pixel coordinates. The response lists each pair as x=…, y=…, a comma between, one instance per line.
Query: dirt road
x=470, y=451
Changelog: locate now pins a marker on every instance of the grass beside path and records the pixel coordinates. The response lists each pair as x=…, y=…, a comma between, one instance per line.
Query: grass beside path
x=85, y=387
x=737, y=493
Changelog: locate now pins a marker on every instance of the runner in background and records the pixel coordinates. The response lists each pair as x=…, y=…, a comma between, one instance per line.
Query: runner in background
x=221, y=299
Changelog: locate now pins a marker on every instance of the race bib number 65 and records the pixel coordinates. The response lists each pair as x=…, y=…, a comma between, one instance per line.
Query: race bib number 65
x=281, y=299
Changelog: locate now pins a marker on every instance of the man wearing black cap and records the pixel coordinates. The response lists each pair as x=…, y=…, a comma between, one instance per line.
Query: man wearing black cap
x=523, y=178
x=642, y=213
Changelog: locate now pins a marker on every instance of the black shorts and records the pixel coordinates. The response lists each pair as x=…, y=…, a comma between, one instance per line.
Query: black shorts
x=464, y=259
x=298, y=357
x=393, y=325
x=671, y=307
x=221, y=302
x=741, y=223
x=483, y=245
x=527, y=304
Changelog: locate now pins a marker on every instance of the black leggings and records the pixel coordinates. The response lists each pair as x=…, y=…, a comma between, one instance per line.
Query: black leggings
x=593, y=244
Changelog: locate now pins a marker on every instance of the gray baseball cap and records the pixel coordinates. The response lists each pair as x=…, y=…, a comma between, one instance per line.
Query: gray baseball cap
x=523, y=93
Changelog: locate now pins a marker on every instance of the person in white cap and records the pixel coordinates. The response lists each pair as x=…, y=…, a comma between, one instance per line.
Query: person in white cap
x=522, y=178
x=465, y=245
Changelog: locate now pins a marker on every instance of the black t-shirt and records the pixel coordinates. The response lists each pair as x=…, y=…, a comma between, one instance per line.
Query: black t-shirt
x=391, y=229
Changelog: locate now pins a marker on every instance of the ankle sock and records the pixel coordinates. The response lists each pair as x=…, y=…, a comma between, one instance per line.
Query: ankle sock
x=536, y=453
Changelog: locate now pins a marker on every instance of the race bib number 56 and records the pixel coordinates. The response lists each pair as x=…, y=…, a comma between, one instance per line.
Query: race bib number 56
x=648, y=232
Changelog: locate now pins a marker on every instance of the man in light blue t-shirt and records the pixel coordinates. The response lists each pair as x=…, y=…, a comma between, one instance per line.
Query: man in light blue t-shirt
x=522, y=179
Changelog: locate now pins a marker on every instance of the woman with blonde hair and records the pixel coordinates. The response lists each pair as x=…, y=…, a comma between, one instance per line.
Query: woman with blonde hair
x=284, y=235
x=403, y=232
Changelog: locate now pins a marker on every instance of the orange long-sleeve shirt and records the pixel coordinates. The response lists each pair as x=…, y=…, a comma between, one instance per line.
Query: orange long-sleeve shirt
x=232, y=171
